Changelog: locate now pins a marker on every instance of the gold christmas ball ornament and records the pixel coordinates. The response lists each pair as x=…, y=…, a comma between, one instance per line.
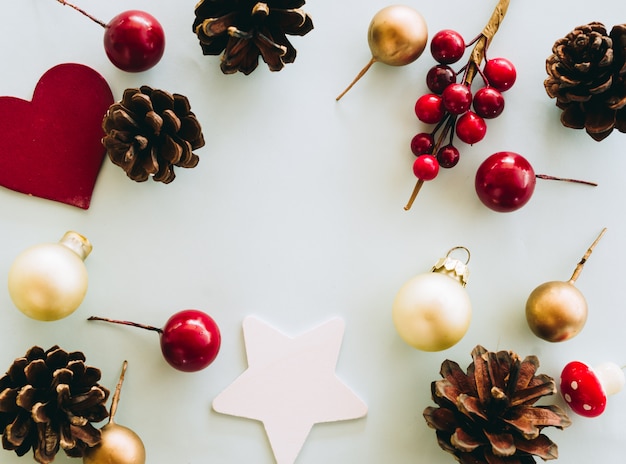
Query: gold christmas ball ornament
x=48, y=281
x=118, y=444
x=397, y=35
x=557, y=311
x=432, y=311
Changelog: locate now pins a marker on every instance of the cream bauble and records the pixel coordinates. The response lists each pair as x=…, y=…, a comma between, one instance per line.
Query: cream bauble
x=49, y=281
x=432, y=311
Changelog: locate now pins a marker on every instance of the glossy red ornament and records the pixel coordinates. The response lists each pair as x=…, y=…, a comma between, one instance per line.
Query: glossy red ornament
x=190, y=339
x=429, y=108
x=425, y=167
x=447, y=46
x=505, y=181
x=471, y=128
x=134, y=41
x=500, y=73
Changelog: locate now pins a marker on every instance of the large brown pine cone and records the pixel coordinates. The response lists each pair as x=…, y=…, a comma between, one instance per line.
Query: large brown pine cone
x=487, y=415
x=149, y=132
x=247, y=29
x=586, y=76
x=48, y=400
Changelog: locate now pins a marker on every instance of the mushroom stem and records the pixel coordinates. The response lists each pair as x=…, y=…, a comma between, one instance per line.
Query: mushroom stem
x=132, y=324
x=116, y=395
x=416, y=190
x=80, y=10
x=581, y=263
x=356, y=79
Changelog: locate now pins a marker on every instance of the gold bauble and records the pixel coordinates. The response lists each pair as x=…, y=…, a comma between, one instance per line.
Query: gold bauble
x=397, y=35
x=556, y=311
x=119, y=445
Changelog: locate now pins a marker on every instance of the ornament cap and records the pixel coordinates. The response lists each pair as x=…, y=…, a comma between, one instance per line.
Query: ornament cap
x=78, y=243
x=453, y=267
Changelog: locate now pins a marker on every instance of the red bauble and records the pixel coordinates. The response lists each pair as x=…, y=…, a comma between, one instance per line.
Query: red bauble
x=505, y=181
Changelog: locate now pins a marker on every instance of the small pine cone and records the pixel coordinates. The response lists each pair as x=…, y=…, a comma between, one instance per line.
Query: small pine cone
x=48, y=400
x=149, y=132
x=246, y=29
x=586, y=76
x=487, y=415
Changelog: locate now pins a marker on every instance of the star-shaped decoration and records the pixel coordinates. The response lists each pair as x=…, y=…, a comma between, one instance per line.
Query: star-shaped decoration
x=290, y=385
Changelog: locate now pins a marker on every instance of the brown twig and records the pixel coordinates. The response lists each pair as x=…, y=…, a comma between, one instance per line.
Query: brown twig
x=118, y=391
x=357, y=78
x=80, y=10
x=132, y=324
x=581, y=263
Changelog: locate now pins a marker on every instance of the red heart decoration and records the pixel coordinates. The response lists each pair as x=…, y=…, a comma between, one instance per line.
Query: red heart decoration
x=51, y=145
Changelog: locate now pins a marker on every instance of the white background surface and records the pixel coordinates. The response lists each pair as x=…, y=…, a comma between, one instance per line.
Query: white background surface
x=295, y=214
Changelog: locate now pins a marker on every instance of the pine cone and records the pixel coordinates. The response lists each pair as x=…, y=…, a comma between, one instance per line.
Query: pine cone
x=486, y=416
x=245, y=29
x=586, y=76
x=151, y=131
x=48, y=400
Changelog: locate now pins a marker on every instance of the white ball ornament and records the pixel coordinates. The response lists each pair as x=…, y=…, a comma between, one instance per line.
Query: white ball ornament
x=48, y=281
x=432, y=311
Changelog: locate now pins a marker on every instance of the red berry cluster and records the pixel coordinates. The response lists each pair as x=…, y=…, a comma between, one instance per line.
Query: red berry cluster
x=452, y=106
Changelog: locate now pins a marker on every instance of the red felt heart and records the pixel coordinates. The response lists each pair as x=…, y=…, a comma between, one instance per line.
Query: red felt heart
x=51, y=145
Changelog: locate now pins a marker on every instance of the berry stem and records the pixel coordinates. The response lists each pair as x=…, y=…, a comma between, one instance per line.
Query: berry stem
x=356, y=79
x=482, y=43
x=565, y=179
x=579, y=266
x=116, y=396
x=447, y=124
x=80, y=10
x=132, y=324
x=416, y=190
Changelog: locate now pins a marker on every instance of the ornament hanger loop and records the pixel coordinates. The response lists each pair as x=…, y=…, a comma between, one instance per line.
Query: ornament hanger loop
x=459, y=248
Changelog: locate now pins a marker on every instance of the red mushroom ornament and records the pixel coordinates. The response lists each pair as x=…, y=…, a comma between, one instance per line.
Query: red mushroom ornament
x=585, y=389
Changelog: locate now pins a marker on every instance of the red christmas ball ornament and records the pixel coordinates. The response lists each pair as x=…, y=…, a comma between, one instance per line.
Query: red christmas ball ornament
x=505, y=181
x=134, y=40
x=190, y=339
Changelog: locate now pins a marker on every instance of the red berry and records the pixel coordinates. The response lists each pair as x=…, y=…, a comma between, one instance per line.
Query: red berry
x=190, y=340
x=448, y=156
x=500, y=74
x=457, y=98
x=471, y=128
x=488, y=103
x=134, y=41
x=447, y=46
x=422, y=143
x=425, y=167
x=439, y=77
x=429, y=108
x=505, y=181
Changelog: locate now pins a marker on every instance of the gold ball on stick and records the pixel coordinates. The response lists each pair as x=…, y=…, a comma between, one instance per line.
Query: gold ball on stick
x=397, y=35
x=557, y=311
x=119, y=444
